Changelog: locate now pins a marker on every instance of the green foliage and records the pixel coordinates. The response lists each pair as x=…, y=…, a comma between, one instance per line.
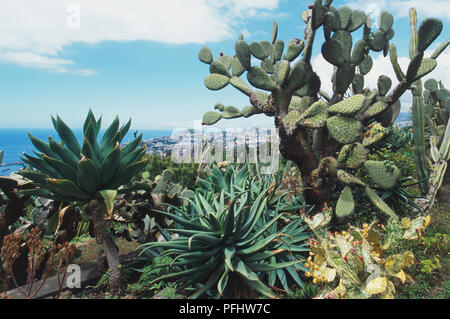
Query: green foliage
x=183, y=173
x=430, y=265
x=308, y=291
x=79, y=172
x=233, y=237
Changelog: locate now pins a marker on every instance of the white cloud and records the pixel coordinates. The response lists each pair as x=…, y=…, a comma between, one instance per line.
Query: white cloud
x=400, y=8
x=33, y=33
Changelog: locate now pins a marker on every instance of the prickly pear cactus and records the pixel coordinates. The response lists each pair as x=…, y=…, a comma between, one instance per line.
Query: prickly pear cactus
x=312, y=124
x=356, y=264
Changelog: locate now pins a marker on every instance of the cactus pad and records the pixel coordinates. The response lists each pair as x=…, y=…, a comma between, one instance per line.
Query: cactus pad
x=231, y=112
x=294, y=48
x=205, y=55
x=311, y=88
x=274, y=31
x=349, y=106
x=301, y=104
x=283, y=72
x=342, y=78
x=349, y=179
x=345, y=204
x=248, y=111
x=291, y=121
x=267, y=66
x=219, y=106
x=239, y=84
x=377, y=42
x=333, y=52
x=426, y=66
x=385, y=21
x=300, y=75
x=375, y=109
x=429, y=30
x=376, y=133
x=211, y=117
x=279, y=47
x=357, y=19
x=346, y=41
x=378, y=202
x=315, y=116
x=258, y=51
x=366, y=65
x=384, y=84
x=236, y=67
x=259, y=79
x=219, y=68
x=345, y=14
x=359, y=52
x=352, y=155
x=243, y=53
x=385, y=177
x=216, y=81
x=345, y=130
x=389, y=34
x=225, y=60
x=358, y=83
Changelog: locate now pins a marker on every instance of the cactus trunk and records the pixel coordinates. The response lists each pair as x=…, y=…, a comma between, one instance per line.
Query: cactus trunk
x=419, y=137
x=317, y=185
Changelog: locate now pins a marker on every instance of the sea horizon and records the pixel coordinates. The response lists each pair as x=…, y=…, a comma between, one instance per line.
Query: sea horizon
x=15, y=141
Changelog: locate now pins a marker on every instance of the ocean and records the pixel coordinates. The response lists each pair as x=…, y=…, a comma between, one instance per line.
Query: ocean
x=15, y=142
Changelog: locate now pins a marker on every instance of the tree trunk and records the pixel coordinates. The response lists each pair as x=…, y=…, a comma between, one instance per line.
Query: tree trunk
x=97, y=209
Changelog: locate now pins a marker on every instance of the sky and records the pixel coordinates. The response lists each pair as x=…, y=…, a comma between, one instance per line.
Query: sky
x=138, y=59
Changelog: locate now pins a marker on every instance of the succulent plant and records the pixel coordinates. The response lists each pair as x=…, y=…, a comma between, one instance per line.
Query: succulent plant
x=313, y=125
x=359, y=263
x=430, y=112
x=80, y=172
x=228, y=239
x=91, y=173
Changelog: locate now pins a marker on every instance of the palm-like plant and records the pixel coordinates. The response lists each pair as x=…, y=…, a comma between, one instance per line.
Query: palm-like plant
x=229, y=239
x=88, y=173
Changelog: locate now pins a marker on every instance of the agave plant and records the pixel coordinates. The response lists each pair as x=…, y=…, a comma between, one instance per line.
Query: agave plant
x=88, y=173
x=227, y=240
x=238, y=178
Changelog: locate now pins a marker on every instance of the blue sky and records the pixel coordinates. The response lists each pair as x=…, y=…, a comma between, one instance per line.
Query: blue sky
x=138, y=59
